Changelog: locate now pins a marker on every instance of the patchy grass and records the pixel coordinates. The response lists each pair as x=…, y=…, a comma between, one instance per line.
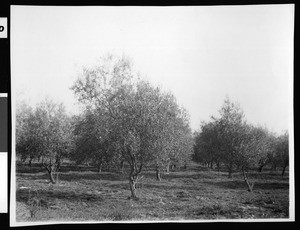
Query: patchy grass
x=194, y=194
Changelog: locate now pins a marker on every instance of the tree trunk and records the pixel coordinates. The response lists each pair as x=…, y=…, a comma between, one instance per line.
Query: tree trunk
x=283, y=170
x=185, y=165
x=29, y=162
x=58, y=166
x=230, y=171
x=132, y=185
x=260, y=168
x=122, y=167
x=168, y=168
x=173, y=166
x=23, y=159
x=249, y=184
x=99, y=167
x=51, y=176
x=218, y=166
x=211, y=165
x=57, y=177
x=158, y=175
x=135, y=170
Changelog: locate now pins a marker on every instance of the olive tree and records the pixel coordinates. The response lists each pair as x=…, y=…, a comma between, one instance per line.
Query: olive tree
x=230, y=126
x=91, y=136
x=156, y=110
x=56, y=135
x=138, y=113
x=24, y=123
x=207, y=146
x=282, y=151
x=268, y=148
x=251, y=148
x=183, y=144
x=109, y=87
x=47, y=135
x=167, y=125
x=235, y=143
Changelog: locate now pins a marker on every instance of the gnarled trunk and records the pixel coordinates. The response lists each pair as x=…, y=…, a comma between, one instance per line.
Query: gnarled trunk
x=99, y=167
x=51, y=175
x=218, y=166
x=260, y=168
x=132, y=185
x=52, y=169
x=53, y=181
x=173, y=166
x=230, y=170
x=133, y=177
x=57, y=177
x=158, y=174
x=168, y=168
x=135, y=170
x=246, y=179
x=29, y=162
x=185, y=165
x=122, y=167
x=283, y=170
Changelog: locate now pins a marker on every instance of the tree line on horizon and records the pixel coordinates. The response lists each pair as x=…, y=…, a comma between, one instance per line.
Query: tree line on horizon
x=125, y=119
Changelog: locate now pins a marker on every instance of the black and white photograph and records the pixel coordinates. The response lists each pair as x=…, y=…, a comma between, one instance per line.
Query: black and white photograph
x=131, y=114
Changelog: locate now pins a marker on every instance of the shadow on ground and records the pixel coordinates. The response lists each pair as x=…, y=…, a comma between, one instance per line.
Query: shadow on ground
x=182, y=175
x=240, y=184
x=37, y=167
x=76, y=176
x=22, y=195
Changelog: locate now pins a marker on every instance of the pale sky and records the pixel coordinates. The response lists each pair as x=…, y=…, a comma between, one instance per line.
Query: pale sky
x=200, y=54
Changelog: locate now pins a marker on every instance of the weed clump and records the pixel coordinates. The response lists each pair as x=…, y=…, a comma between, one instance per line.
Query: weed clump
x=121, y=214
x=35, y=203
x=215, y=209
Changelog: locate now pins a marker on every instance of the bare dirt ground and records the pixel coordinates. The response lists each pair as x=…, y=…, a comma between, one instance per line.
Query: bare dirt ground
x=197, y=193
